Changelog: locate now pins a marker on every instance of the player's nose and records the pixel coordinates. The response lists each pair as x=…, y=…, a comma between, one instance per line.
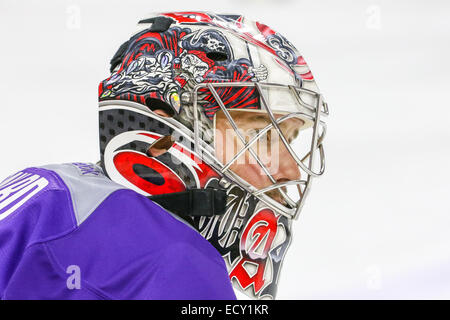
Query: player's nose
x=287, y=166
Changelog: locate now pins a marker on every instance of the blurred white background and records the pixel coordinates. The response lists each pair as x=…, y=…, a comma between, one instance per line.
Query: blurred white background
x=377, y=225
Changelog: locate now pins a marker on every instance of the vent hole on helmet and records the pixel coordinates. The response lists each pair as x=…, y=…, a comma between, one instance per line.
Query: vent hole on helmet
x=217, y=56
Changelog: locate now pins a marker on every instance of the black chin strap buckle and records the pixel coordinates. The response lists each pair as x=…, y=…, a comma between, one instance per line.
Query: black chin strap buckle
x=194, y=202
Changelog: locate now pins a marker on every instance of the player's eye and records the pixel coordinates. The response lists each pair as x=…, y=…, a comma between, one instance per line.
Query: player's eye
x=264, y=138
x=251, y=133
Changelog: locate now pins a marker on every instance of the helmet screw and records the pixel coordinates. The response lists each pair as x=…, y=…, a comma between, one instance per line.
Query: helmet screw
x=186, y=98
x=224, y=183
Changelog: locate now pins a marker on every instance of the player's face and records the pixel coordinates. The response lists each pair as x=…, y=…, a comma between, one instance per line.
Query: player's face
x=268, y=148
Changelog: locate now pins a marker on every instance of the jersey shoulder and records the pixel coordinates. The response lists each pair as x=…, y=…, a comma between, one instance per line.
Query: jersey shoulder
x=130, y=239
x=52, y=199
x=113, y=234
x=86, y=185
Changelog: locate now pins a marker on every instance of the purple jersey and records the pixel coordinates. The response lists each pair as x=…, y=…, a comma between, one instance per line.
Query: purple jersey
x=69, y=232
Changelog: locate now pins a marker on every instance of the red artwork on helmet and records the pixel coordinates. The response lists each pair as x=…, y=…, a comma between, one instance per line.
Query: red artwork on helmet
x=255, y=244
x=125, y=163
x=189, y=17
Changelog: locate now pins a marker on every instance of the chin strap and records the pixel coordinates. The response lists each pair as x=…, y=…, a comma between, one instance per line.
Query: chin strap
x=194, y=202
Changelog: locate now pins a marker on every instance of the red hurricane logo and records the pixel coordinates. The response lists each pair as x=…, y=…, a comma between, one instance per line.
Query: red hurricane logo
x=256, y=241
x=125, y=162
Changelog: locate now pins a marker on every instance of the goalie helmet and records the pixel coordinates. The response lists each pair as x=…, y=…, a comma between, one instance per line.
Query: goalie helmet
x=170, y=85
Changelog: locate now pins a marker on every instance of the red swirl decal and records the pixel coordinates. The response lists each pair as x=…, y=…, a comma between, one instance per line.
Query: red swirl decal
x=125, y=162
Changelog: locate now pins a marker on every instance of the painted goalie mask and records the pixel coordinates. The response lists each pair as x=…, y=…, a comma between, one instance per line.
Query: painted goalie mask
x=241, y=133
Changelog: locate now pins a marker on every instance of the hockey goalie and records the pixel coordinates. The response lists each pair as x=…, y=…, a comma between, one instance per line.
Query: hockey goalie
x=211, y=131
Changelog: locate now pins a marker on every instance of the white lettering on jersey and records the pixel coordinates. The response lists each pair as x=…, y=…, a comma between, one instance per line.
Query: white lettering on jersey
x=18, y=189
